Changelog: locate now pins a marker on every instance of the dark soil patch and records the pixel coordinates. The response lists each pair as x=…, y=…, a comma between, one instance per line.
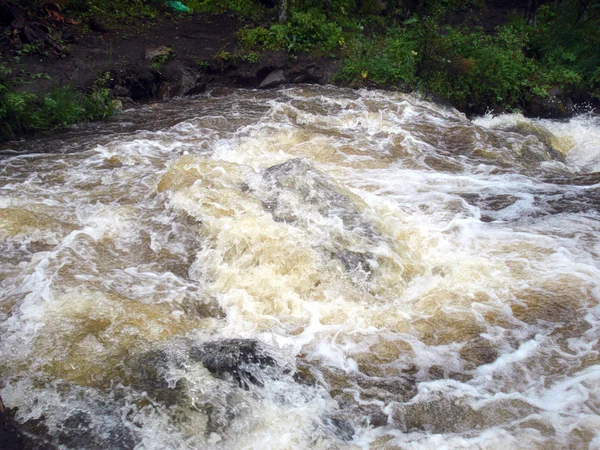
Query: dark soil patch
x=195, y=51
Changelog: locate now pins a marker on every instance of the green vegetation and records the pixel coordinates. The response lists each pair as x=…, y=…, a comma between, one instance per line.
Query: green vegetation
x=437, y=47
x=471, y=68
x=386, y=60
x=161, y=60
x=304, y=31
x=23, y=112
x=427, y=46
x=244, y=8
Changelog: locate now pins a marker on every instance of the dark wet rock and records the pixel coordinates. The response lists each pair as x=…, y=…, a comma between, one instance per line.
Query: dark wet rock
x=273, y=79
x=120, y=91
x=490, y=202
x=394, y=388
x=148, y=373
x=574, y=200
x=99, y=429
x=11, y=437
x=153, y=53
x=584, y=179
x=169, y=90
x=566, y=199
x=446, y=414
x=374, y=391
x=310, y=74
x=440, y=373
x=241, y=360
x=378, y=420
x=303, y=374
x=142, y=85
x=78, y=431
x=479, y=351
x=196, y=90
x=97, y=25
x=437, y=416
x=556, y=105
x=204, y=309
x=342, y=428
x=317, y=194
x=37, y=435
x=242, y=363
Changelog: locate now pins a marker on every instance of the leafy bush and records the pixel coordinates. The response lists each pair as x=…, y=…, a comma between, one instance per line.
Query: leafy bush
x=246, y=8
x=311, y=30
x=305, y=31
x=261, y=38
x=567, y=46
x=391, y=60
x=24, y=112
x=471, y=67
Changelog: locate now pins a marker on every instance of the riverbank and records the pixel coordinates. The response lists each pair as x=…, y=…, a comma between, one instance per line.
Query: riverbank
x=165, y=54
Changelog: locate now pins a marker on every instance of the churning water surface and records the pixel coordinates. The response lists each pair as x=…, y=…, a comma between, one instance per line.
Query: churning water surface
x=304, y=268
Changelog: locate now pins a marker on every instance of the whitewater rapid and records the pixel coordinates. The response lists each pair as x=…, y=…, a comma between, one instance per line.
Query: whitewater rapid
x=389, y=274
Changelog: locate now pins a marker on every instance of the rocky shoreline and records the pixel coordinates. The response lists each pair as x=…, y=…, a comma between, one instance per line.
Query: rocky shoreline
x=181, y=55
x=175, y=56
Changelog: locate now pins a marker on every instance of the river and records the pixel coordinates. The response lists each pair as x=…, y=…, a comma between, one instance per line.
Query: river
x=309, y=267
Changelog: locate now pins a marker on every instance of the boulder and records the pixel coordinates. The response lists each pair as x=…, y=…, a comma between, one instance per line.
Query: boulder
x=148, y=372
x=275, y=78
x=168, y=90
x=556, y=105
x=242, y=360
x=97, y=25
x=196, y=90
x=10, y=435
x=296, y=182
x=152, y=53
x=120, y=91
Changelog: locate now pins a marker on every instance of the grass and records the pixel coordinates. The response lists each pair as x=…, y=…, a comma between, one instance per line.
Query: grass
x=23, y=113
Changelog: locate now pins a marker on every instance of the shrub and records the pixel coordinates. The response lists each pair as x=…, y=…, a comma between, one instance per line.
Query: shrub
x=567, y=47
x=305, y=31
x=391, y=60
x=471, y=67
x=24, y=112
x=261, y=38
x=311, y=30
x=246, y=8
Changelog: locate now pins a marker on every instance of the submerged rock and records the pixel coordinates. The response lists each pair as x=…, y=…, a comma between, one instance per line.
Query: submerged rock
x=97, y=428
x=244, y=361
x=79, y=431
x=239, y=359
x=297, y=192
x=11, y=437
x=342, y=428
x=148, y=373
x=169, y=376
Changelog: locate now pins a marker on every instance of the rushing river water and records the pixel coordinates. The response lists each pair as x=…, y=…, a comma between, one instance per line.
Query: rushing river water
x=303, y=268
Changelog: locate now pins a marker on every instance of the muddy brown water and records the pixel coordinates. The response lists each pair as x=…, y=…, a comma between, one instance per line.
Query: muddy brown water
x=303, y=268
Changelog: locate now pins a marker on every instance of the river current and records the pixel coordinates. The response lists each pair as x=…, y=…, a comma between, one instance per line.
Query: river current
x=303, y=268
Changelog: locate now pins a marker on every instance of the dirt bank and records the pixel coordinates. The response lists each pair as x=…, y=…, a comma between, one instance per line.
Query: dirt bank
x=178, y=54
x=172, y=56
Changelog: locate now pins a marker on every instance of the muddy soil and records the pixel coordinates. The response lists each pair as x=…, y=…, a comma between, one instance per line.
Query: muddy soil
x=171, y=56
